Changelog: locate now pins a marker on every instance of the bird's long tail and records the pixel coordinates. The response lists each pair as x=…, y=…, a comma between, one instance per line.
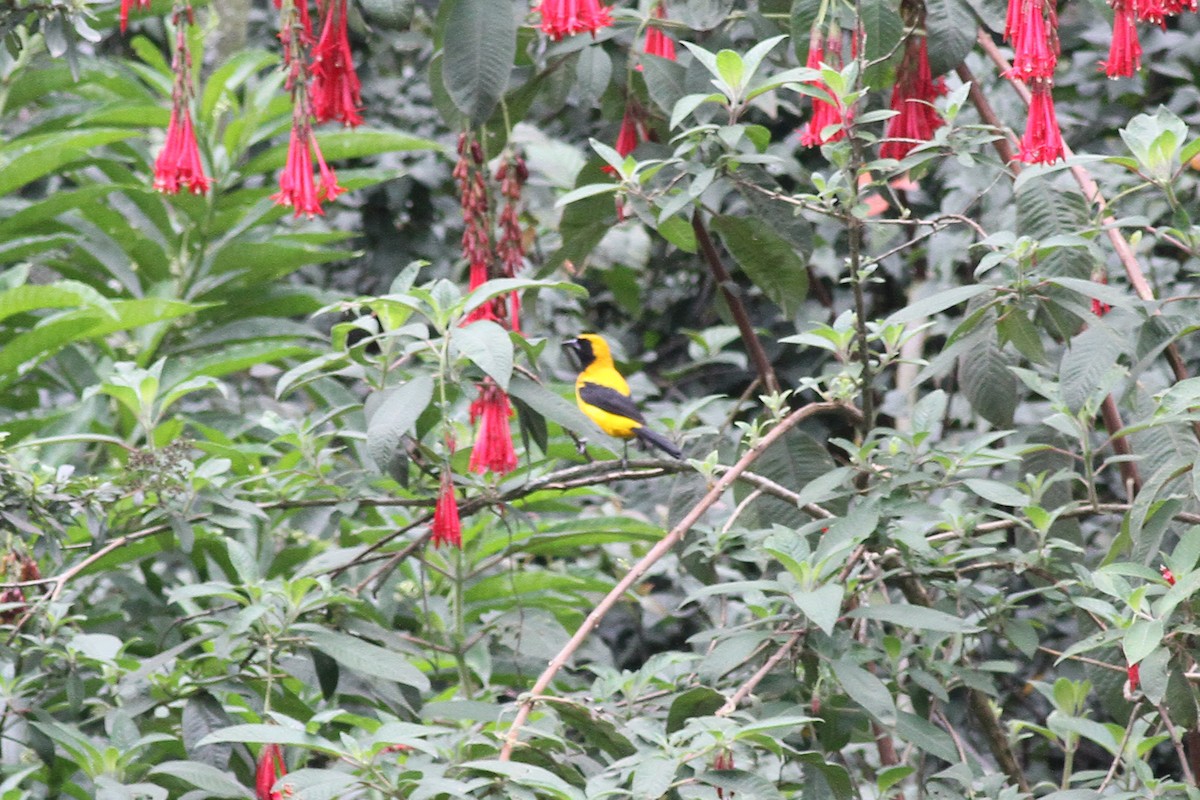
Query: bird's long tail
x=659, y=441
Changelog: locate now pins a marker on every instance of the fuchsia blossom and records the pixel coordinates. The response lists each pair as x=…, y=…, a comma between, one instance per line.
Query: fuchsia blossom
x=1125, y=52
x=178, y=164
x=336, y=90
x=493, y=448
x=657, y=42
x=447, y=526
x=1042, y=142
x=912, y=97
x=824, y=113
x=568, y=17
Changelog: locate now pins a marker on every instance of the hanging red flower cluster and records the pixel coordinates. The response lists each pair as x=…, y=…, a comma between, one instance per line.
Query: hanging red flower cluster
x=178, y=164
x=657, y=42
x=476, y=236
x=826, y=51
x=336, y=90
x=270, y=769
x=1125, y=51
x=1032, y=27
x=447, y=526
x=510, y=249
x=568, y=17
x=493, y=448
x=912, y=98
x=127, y=5
x=298, y=187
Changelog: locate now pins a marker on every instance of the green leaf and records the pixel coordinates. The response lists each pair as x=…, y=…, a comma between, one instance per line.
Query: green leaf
x=554, y=408
x=995, y=492
x=927, y=736
x=488, y=346
x=951, y=30
x=268, y=734
x=822, y=606
x=866, y=690
x=769, y=261
x=987, y=382
x=214, y=782
x=481, y=43
x=362, y=656
x=63, y=294
x=341, y=145
x=393, y=415
x=652, y=776
x=917, y=618
x=699, y=701
x=883, y=28
x=928, y=306
x=1085, y=363
x=741, y=784
x=1141, y=639
x=28, y=158
x=665, y=81
x=527, y=775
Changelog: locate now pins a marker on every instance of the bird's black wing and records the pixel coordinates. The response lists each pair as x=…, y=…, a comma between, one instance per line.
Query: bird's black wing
x=610, y=400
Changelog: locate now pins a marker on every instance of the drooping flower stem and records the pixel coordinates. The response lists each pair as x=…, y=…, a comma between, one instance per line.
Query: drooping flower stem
x=298, y=188
x=178, y=164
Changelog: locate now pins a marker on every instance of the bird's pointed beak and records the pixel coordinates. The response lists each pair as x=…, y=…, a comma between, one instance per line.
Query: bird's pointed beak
x=572, y=348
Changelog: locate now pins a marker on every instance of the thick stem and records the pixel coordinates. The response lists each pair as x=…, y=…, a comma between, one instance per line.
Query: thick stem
x=721, y=275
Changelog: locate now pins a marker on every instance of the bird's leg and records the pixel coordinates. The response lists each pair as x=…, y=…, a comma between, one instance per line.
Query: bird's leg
x=624, y=454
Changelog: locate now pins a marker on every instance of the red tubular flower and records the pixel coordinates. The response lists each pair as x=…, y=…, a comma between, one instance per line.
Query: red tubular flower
x=1042, y=142
x=178, y=164
x=493, y=448
x=126, y=5
x=633, y=132
x=1168, y=576
x=824, y=113
x=1134, y=675
x=1035, y=51
x=723, y=761
x=1173, y=8
x=1012, y=20
x=568, y=17
x=1152, y=11
x=913, y=97
x=336, y=90
x=270, y=769
x=447, y=527
x=657, y=42
x=296, y=185
x=1125, y=52
x=1099, y=307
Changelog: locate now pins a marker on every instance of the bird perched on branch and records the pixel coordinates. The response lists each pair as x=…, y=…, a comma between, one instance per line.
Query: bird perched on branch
x=603, y=395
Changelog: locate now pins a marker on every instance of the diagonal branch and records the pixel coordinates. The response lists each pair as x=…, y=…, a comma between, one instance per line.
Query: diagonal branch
x=657, y=552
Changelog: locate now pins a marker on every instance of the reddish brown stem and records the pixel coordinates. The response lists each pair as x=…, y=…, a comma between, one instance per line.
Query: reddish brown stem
x=721, y=275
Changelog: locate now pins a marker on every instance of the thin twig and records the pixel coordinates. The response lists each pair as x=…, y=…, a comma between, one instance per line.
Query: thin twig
x=746, y=688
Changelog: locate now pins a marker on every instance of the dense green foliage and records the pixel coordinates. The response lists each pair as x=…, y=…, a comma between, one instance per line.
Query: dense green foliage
x=915, y=548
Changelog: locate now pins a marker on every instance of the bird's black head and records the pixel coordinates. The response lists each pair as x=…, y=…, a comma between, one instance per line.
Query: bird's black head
x=581, y=349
